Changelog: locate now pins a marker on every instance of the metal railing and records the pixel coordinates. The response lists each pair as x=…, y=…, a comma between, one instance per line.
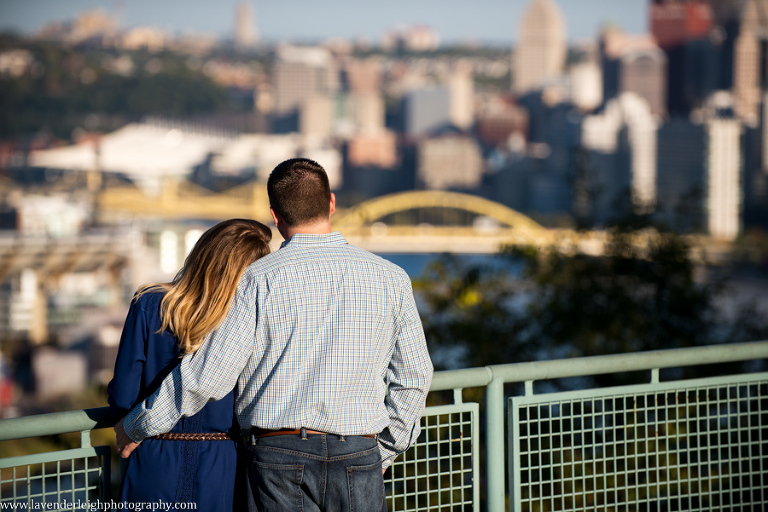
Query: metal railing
x=70, y=477
x=676, y=445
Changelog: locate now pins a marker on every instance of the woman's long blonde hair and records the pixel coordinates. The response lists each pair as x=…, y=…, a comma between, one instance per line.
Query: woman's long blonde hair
x=198, y=298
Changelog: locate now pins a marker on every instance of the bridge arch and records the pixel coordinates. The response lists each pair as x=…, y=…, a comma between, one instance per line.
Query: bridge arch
x=368, y=212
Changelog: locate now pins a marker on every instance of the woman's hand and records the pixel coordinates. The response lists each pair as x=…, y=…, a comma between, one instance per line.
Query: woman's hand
x=125, y=445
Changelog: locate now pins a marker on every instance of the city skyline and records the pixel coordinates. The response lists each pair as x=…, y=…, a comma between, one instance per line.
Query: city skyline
x=487, y=21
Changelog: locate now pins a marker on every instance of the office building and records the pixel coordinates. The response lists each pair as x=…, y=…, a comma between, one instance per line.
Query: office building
x=449, y=162
x=681, y=146
x=723, y=186
x=586, y=80
x=361, y=76
x=462, y=95
x=741, y=29
x=541, y=49
x=682, y=29
x=300, y=73
x=634, y=63
x=504, y=127
x=755, y=212
x=622, y=145
x=316, y=116
x=373, y=150
x=365, y=112
x=426, y=110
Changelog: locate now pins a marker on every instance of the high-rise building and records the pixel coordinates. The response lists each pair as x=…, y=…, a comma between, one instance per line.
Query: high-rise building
x=622, y=142
x=541, y=49
x=449, y=162
x=300, y=73
x=723, y=187
x=755, y=177
x=682, y=29
x=426, y=110
x=316, y=116
x=633, y=63
x=680, y=174
x=749, y=60
x=246, y=35
x=764, y=136
x=586, y=85
x=462, y=92
x=741, y=30
x=373, y=150
x=361, y=76
x=504, y=127
x=366, y=112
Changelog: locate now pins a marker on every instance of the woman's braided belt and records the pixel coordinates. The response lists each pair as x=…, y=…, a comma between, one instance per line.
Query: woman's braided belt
x=193, y=436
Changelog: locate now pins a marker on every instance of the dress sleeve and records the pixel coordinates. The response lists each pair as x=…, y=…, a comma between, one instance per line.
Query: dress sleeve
x=125, y=386
x=208, y=374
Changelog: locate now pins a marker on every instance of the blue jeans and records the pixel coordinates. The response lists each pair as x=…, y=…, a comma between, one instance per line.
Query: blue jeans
x=323, y=472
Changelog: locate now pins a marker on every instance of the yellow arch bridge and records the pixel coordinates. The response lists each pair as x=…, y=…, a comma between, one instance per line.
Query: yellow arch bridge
x=409, y=222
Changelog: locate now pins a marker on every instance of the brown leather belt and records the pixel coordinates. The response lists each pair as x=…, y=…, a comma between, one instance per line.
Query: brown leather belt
x=262, y=432
x=193, y=436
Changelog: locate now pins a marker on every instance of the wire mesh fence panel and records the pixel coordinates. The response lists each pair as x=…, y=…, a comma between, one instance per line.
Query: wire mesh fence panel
x=440, y=471
x=696, y=445
x=68, y=478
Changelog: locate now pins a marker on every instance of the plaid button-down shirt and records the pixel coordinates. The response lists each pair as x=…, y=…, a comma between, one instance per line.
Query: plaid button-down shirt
x=320, y=334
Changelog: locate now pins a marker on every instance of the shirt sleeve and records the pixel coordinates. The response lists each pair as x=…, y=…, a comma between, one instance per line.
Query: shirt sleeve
x=409, y=375
x=125, y=386
x=208, y=374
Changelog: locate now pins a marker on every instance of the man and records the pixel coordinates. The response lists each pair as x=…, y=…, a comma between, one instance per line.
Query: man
x=326, y=350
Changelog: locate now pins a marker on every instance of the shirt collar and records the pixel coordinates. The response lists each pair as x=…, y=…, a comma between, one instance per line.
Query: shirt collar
x=311, y=240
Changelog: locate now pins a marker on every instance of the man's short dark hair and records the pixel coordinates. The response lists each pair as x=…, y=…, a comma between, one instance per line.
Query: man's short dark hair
x=299, y=191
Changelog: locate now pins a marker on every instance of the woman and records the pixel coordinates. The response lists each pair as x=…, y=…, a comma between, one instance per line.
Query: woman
x=165, y=322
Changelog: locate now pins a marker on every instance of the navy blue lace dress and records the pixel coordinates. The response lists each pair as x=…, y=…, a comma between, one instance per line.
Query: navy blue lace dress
x=203, y=472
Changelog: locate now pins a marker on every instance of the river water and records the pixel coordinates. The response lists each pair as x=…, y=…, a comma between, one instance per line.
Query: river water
x=414, y=264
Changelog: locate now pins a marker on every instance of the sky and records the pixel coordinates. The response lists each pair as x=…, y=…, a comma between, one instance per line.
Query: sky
x=481, y=21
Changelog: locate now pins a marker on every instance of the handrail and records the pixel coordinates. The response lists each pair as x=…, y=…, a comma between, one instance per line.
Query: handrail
x=493, y=377
x=597, y=365
x=55, y=423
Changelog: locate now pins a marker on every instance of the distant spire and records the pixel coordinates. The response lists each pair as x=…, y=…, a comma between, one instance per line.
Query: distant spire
x=246, y=35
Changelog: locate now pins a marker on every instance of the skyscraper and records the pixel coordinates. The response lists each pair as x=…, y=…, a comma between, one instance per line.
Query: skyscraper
x=749, y=59
x=541, y=49
x=622, y=145
x=245, y=26
x=723, y=188
x=681, y=146
x=682, y=29
x=462, y=92
x=450, y=161
x=299, y=73
x=742, y=30
x=633, y=63
x=426, y=110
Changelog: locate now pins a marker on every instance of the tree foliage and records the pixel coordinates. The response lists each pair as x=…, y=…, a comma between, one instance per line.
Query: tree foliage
x=633, y=297
x=645, y=292
x=65, y=85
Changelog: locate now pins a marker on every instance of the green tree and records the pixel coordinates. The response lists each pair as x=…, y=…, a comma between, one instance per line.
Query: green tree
x=469, y=313
x=645, y=292
x=65, y=85
x=641, y=294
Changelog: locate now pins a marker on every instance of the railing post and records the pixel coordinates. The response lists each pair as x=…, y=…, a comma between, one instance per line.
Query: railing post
x=495, y=452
